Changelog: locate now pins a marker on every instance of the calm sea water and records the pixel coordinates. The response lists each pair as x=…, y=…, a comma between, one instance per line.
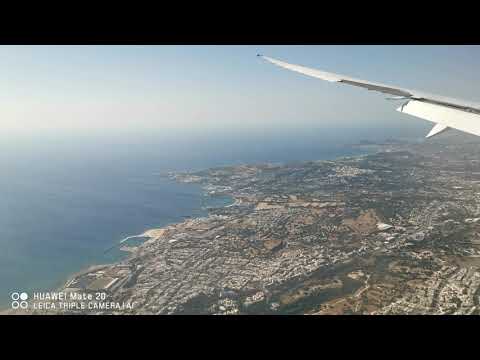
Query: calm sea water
x=65, y=200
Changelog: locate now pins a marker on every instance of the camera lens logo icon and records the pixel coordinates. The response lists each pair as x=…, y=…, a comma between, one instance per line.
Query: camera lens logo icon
x=19, y=300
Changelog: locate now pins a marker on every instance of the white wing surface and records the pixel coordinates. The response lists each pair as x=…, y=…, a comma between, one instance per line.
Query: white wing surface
x=444, y=112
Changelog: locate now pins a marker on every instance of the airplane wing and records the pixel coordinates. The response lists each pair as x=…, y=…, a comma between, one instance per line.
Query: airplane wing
x=444, y=112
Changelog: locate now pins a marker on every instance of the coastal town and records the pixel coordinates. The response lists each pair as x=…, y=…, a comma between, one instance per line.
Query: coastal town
x=396, y=231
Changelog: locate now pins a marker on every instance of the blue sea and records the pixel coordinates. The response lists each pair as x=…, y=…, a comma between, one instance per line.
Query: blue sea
x=66, y=199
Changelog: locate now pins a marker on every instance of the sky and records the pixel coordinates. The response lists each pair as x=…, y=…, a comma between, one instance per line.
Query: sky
x=198, y=90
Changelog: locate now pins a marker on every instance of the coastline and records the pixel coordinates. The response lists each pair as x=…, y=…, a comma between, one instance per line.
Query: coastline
x=155, y=233
x=151, y=233
x=306, y=238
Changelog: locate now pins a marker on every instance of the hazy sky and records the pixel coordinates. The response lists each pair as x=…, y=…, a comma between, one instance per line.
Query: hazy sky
x=198, y=89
